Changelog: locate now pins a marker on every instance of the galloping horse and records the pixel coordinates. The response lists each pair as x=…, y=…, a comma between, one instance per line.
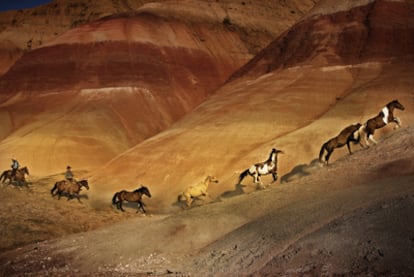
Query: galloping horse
x=385, y=116
x=71, y=189
x=131, y=196
x=263, y=168
x=19, y=177
x=350, y=133
x=196, y=191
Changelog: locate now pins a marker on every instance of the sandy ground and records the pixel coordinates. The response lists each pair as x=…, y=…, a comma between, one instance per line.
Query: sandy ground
x=352, y=218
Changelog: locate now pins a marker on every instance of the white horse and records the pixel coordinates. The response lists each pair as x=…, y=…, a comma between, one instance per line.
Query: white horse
x=196, y=191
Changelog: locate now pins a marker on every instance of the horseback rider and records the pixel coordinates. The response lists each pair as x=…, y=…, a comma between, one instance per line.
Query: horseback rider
x=69, y=174
x=14, y=166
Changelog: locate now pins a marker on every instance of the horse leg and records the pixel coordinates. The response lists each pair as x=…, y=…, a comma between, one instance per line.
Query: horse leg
x=398, y=122
x=328, y=155
x=141, y=205
x=349, y=146
x=116, y=203
x=189, y=201
x=120, y=206
x=371, y=138
x=77, y=196
x=256, y=178
x=274, y=174
x=259, y=179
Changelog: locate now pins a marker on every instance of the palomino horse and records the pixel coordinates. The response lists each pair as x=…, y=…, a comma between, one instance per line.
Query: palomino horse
x=131, y=196
x=263, y=168
x=71, y=189
x=346, y=136
x=385, y=116
x=19, y=177
x=196, y=191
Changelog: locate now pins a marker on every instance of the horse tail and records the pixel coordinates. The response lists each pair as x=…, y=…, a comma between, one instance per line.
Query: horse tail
x=54, y=188
x=243, y=174
x=3, y=175
x=321, y=152
x=114, y=198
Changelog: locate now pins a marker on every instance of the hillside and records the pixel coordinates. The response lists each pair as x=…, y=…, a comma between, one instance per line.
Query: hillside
x=337, y=65
x=349, y=218
x=258, y=21
x=295, y=108
x=107, y=84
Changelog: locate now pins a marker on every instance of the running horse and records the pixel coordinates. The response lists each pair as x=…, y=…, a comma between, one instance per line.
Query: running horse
x=193, y=192
x=131, y=196
x=346, y=136
x=385, y=116
x=71, y=189
x=19, y=177
x=263, y=168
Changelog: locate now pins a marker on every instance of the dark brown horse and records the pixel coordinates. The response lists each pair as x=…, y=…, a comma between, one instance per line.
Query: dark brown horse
x=131, y=196
x=385, y=116
x=264, y=168
x=19, y=177
x=346, y=136
x=70, y=189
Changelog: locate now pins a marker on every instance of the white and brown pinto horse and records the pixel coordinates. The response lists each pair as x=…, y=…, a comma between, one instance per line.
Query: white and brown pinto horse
x=267, y=167
x=346, y=136
x=193, y=192
x=385, y=116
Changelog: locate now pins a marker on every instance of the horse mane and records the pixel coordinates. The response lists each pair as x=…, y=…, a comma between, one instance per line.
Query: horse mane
x=271, y=154
x=142, y=188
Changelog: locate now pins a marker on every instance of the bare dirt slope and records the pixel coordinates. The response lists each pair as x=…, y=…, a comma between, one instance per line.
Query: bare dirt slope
x=297, y=93
x=349, y=218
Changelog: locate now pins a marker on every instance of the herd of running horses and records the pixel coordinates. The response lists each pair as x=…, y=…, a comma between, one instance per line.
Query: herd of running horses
x=351, y=133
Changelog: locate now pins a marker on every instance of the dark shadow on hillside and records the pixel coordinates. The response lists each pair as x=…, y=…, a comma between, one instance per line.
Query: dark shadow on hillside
x=68, y=198
x=238, y=190
x=131, y=207
x=300, y=171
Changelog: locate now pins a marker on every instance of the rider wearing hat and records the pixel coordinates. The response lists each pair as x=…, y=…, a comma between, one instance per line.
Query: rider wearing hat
x=69, y=174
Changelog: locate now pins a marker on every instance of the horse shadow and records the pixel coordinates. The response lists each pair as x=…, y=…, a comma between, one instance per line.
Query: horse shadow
x=238, y=190
x=197, y=202
x=300, y=171
x=81, y=196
